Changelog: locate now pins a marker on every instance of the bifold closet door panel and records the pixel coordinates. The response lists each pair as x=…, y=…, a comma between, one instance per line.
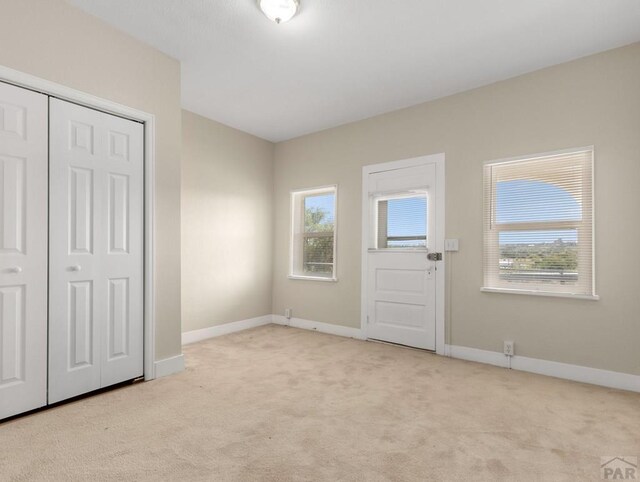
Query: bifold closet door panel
x=95, y=250
x=23, y=250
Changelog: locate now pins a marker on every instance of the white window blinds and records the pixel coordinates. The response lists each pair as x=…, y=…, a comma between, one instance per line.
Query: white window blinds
x=538, y=224
x=401, y=221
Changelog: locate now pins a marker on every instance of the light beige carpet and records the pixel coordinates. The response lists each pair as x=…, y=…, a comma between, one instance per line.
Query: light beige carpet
x=277, y=403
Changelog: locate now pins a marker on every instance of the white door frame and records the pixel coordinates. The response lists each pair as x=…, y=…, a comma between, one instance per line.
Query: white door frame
x=438, y=160
x=37, y=84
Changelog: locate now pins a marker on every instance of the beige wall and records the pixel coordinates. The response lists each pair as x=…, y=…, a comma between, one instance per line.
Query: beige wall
x=227, y=224
x=595, y=100
x=54, y=41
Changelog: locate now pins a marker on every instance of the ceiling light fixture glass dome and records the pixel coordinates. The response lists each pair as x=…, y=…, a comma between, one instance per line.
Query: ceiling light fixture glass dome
x=279, y=11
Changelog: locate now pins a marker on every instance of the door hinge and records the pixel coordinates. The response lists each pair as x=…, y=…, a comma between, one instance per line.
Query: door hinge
x=434, y=256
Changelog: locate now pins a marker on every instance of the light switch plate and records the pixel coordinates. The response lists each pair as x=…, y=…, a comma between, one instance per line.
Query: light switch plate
x=451, y=245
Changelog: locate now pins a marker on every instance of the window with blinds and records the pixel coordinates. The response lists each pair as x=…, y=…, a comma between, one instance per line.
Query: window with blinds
x=313, y=238
x=401, y=221
x=538, y=224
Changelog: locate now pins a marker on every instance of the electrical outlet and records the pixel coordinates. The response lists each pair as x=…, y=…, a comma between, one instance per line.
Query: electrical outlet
x=287, y=313
x=509, y=348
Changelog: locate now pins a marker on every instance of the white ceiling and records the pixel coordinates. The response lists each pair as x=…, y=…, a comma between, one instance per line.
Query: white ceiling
x=343, y=60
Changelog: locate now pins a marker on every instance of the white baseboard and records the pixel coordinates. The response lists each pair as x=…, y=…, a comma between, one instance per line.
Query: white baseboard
x=329, y=328
x=477, y=355
x=169, y=366
x=594, y=376
x=224, y=329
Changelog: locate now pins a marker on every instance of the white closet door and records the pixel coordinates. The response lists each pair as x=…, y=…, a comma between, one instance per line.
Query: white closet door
x=23, y=250
x=96, y=250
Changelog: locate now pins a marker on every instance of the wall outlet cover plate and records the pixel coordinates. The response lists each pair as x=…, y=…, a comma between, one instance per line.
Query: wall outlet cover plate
x=451, y=245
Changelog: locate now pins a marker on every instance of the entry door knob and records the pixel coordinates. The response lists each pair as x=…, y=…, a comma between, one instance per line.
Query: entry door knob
x=77, y=267
x=434, y=256
x=16, y=269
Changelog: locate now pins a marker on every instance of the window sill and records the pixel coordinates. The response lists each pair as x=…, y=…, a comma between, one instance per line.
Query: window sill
x=313, y=278
x=398, y=250
x=551, y=294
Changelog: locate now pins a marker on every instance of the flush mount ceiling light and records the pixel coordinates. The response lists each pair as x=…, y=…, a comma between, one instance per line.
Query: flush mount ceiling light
x=279, y=11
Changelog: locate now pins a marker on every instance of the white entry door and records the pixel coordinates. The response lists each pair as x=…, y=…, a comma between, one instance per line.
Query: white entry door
x=96, y=250
x=23, y=250
x=400, y=277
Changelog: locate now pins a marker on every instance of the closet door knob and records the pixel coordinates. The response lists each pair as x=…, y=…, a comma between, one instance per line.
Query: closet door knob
x=77, y=267
x=16, y=269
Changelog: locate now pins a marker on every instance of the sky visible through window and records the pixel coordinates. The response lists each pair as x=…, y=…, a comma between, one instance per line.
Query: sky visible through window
x=407, y=216
x=322, y=202
x=531, y=201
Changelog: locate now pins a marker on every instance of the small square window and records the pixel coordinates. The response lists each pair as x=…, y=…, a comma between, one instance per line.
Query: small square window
x=402, y=222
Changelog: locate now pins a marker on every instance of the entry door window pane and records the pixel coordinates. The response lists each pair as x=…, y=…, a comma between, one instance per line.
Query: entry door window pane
x=402, y=222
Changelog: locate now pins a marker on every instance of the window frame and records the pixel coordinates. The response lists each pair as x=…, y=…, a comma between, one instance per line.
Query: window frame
x=491, y=233
x=298, y=235
x=375, y=206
